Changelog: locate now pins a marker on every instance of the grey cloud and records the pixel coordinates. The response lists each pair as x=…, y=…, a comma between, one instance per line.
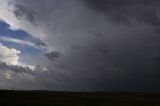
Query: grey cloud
x=98, y=34
x=41, y=43
x=101, y=48
x=99, y=44
x=123, y=11
x=75, y=47
x=155, y=59
x=14, y=68
x=23, y=12
x=54, y=55
x=111, y=56
x=19, y=77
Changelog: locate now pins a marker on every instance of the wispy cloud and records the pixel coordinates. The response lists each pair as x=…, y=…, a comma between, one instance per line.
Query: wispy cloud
x=19, y=41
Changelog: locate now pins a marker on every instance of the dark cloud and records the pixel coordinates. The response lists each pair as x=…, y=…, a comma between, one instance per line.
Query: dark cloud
x=102, y=55
x=101, y=48
x=53, y=56
x=75, y=47
x=98, y=34
x=40, y=43
x=100, y=44
x=22, y=12
x=155, y=60
x=14, y=68
x=123, y=11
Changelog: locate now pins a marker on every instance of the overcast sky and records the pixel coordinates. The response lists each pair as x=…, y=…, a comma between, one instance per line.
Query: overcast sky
x=80, y=45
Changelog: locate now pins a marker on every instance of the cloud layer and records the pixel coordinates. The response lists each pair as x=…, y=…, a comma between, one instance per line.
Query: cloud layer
x=18, y=77
x=106, y=45
x=124, y=11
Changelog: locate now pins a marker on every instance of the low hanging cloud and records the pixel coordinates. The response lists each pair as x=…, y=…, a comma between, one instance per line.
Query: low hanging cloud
x=40, y=78
x=53, y=55
x=9, y=55
x=18, y=77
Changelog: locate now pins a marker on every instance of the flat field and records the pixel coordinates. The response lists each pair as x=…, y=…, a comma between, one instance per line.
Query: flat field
x=51, y=98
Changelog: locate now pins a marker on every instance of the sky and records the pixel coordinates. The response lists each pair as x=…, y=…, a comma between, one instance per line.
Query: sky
x=80, y=45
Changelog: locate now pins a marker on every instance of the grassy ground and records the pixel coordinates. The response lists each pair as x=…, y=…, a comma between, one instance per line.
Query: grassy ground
x=47, y=98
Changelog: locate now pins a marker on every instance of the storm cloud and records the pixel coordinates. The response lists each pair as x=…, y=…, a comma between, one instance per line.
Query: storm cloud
x=19, y=77
x=53, y=55
x=106, y=44
x=124, y=11
x=22, y=12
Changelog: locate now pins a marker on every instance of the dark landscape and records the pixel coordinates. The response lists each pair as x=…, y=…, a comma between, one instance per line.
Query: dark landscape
x=51, y=98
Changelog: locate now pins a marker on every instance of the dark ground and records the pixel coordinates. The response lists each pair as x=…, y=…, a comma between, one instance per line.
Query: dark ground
x=48, y=98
